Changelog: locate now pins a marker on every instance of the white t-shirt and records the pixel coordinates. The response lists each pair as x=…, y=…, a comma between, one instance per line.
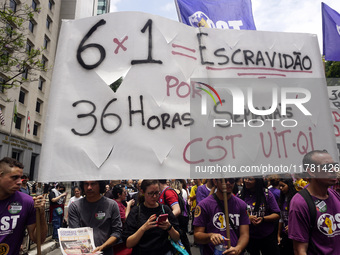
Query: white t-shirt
x=73, y=199
x=185, y=194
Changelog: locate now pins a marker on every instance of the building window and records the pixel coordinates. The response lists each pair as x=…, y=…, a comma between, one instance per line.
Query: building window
x=13, y=5
x=29, y=46
x=34, y=5
x=4, y=57
x=18, y=122
x=22, y=95
x=44, y=62
x=48, y=22
x=31, y=26
x=46, y=42
x=2, y=87
x=38, y=106
x=102, y=7
x=36, y=129
x=41, y=83
x=9, y=30
x=25, y=74
x=50, y=4
x=16, y=155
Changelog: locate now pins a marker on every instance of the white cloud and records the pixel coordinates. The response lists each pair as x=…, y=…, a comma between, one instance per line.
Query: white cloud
x=303, y=16
x=113, y=5
x=168, y=7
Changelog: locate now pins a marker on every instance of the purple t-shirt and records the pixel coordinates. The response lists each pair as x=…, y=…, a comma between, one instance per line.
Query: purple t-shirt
x=208, y=214
x=201, y=193
x=16, y=212
x=265, y=228
x=326, y=235
x=276, y=192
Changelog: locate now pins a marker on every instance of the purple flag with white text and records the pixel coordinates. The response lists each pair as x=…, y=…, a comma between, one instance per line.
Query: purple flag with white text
x=226, y=14
x=331, y=33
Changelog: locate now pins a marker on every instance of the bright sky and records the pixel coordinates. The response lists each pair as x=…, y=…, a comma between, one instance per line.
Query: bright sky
x=303, y=16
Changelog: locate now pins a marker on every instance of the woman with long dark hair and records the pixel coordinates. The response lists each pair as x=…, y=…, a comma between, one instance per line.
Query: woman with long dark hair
x=142, y=232
x=288, y=190
x=264, y=213
x=119, y=195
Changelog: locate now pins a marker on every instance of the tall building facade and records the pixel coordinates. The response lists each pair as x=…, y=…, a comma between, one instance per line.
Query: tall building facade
x=77, y=9
x=103, y=6
x=22, y=138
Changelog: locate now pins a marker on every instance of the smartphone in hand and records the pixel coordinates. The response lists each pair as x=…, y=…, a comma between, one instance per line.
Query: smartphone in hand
x=161, y=218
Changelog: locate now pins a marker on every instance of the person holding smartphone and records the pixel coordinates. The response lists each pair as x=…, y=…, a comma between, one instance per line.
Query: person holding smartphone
x=143, y=232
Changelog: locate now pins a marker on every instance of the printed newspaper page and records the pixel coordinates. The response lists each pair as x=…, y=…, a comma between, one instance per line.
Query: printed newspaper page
x=76, y=241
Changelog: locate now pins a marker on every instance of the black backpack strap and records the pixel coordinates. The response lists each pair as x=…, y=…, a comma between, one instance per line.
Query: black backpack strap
x=312, y=212
x=222, y=208
x=311, y=205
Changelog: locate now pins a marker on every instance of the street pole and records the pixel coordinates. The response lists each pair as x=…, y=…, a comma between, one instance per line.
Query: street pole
x=10, y=131
x=226, y=213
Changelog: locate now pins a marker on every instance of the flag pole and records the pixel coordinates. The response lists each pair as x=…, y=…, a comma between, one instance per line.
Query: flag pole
x=28, y=114
x=178, y=12
x=226, y=212
x=10, y=131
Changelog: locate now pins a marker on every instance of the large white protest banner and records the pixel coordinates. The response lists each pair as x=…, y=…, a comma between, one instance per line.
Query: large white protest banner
x=334, y=100
x=146, y=129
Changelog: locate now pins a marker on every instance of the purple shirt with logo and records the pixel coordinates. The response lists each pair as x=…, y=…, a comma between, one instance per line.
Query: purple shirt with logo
x=265, y=228
x=326, y=235
x=201, y=193
x=16, y=212
x=209, y=215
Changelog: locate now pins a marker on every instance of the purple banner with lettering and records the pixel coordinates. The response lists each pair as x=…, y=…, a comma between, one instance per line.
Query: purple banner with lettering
x=226, y=14
x=331, y=33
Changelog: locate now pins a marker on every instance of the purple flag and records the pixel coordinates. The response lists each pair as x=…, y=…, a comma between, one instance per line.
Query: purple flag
x=227, y=14
x=331, y=33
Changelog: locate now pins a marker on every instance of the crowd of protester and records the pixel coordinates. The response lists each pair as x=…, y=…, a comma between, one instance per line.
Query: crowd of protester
x=262, y=210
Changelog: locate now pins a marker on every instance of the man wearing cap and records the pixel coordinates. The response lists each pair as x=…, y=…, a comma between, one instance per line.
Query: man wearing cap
x=17, y=209
x=24, y=185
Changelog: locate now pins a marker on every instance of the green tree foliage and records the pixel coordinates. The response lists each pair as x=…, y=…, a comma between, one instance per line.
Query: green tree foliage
x=114, y=86
x=15, y=57
x=332, y=69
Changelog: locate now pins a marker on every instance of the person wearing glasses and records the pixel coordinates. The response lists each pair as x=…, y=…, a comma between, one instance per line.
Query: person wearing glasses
x=321, y=236
x=264, y=214
x=99, y=213
x=210, y=222
x=142, y=230
x=57, y=198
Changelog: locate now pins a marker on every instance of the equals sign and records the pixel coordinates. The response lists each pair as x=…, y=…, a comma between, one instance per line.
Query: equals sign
x=182, y=54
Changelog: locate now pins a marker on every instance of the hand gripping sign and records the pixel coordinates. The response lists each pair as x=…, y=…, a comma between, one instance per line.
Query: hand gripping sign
x=152, y=126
